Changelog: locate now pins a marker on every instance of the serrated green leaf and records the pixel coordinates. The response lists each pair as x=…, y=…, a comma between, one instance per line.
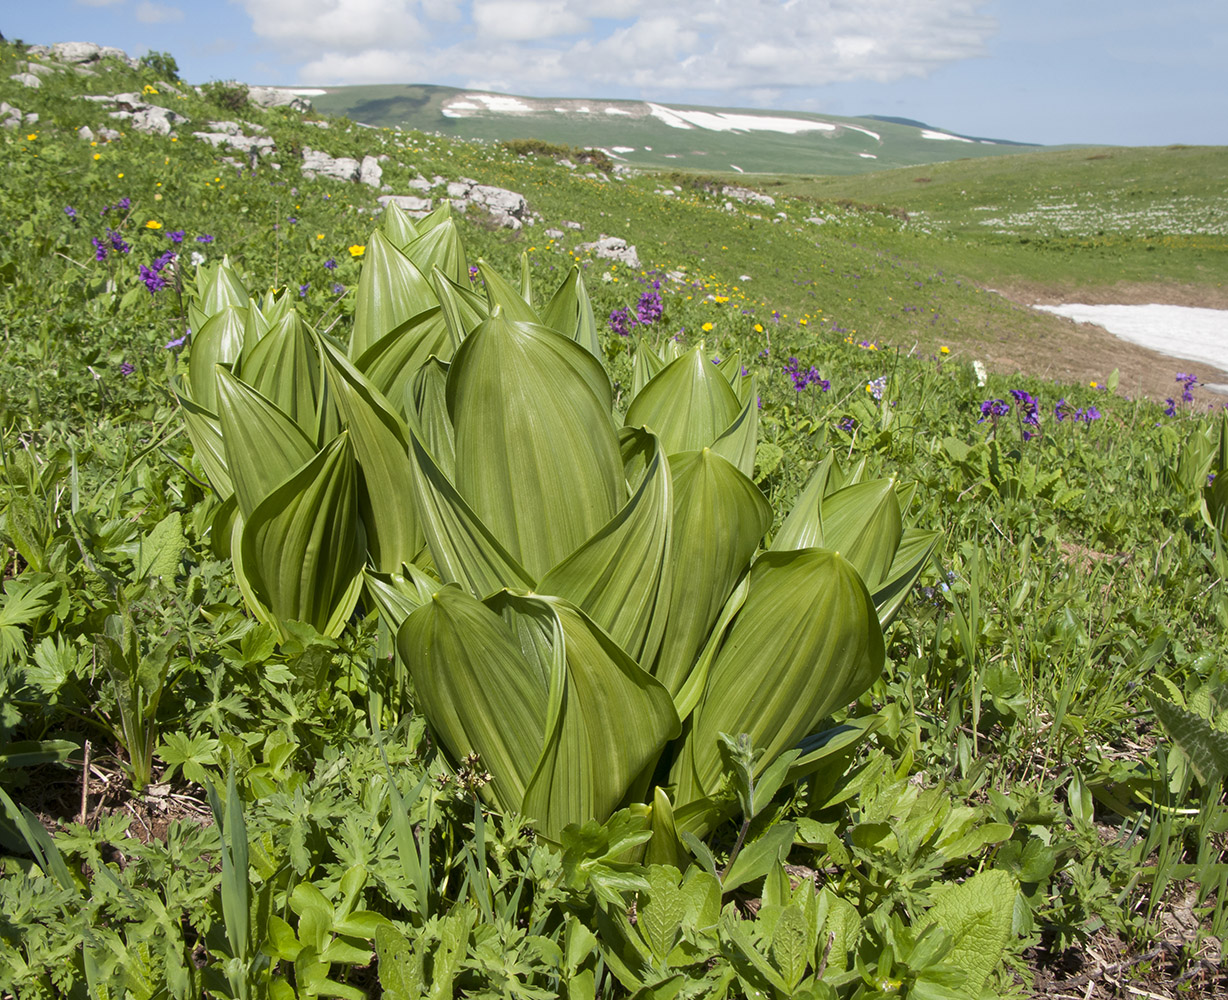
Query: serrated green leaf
x=977, y=915
x=159, y=551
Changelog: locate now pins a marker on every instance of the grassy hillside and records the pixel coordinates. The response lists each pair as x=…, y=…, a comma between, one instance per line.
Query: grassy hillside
x=699, y=138
x=201, y=797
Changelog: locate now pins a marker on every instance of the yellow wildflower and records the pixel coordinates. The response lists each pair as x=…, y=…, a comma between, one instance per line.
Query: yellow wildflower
x=97, y=156
x=357, y=250
x=707, y=328
x=32, y=136
x=944, y=349
x=1094, y=385
x=153, y=224
x=758, y=328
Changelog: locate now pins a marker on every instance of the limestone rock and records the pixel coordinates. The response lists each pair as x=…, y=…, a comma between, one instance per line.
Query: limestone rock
x=408, y=203
x=747, y=196
x=320, y=164
x=370, y=172
x=613, y=248
x=277, y=97
x=27, y=79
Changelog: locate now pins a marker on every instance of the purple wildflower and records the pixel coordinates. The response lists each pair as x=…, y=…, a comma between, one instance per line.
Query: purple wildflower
x=338, y=288
x=1088, y=415
x=126, y=369
x=621, y=321
x=163, y=260
x=803, y=379
x=649, y=308
x=175, y=235
x=1187, y=382
x=1169, y=411
x=100, y=252
x=117, y=241
x=177, y=342
x=292, y=220
x=877, y=386
x=1062, y=410
x=204, y=238
x=848, y=425
x=302, y=289
x=994, y=408
x=123, y=204
x=70, y=211
x=153, y=280
x=331, y=265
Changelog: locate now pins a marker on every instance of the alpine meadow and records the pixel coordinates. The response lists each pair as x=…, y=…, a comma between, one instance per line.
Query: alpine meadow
x=484, y=567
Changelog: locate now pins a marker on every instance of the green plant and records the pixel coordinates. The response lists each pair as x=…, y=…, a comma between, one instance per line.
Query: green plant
x=227, y=95
x=586, y=605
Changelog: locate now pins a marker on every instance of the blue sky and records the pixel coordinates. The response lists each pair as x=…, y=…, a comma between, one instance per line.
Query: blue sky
x=1049, y=71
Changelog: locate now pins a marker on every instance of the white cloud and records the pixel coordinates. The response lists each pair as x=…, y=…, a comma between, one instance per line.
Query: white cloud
x=723, y=47
x=155, y=13
x=524, y=20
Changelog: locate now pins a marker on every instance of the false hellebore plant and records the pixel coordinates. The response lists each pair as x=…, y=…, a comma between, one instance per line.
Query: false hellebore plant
x=581, y=599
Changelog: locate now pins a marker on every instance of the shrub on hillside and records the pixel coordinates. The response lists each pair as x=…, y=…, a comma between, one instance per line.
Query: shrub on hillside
x=227, y=94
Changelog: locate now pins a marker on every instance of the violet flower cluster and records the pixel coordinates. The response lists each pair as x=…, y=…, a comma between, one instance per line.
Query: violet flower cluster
x=153, y=277
x=804, y=379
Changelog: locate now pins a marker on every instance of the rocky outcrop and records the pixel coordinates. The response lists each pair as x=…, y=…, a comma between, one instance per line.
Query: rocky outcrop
x=257, y=145
x=27, y=79
x=152, y=119
x=612, y=248
x=277, y=97
x=408, y=203
x=81, y=55
x=342, y=168
x=747, y=196
x=506, y=208
x=11, y=117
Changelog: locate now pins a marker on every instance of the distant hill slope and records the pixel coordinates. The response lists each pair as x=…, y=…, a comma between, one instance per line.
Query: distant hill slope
x=647, y=134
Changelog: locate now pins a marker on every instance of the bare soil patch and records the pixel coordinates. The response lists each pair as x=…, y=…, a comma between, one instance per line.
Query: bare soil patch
x=1065, y=350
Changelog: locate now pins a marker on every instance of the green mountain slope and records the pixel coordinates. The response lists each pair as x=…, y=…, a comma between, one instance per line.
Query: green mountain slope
x=645, y=134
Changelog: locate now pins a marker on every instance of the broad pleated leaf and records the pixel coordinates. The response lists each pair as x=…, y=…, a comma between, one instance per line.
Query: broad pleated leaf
x=910, y=558
x=391, y=290
x=302, y=547
x=607, y=718
x=537, y=457
x=285, y=367
x=645, y=366
x=719, y=518
x=391, y=364
x=502, y=295
x=526, y=280
x=381, y=443
x=441, y=214
x=738, y=442
x=397, y=595
x=217, y=288
x=205, y=433
x=862, y=523
x=398, y=227
x=219, y=341
x=689, y=404
x=806, y=642
x=477, y=689
x=571, y=313
x=463, y=309
x=440, y=247
x=264, y=447
x=620, y=576
x=803, y=527
x=425, y=401
x=462, y=548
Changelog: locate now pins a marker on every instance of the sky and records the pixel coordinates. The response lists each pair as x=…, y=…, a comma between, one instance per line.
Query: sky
x=1125, y=72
